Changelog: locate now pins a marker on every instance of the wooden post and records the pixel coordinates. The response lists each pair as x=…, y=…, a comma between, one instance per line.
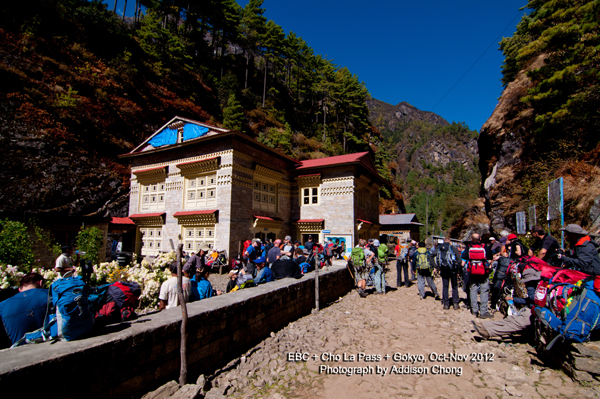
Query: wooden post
x=184, y=317
x=316, y=283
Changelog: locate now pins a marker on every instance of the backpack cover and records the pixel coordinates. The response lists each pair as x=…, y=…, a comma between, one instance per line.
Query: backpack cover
x=382, y=254
x=446, y=258
x=477, y=260
x=581, y=315
x=69, y=317
x=422, y=259
x=358, y=258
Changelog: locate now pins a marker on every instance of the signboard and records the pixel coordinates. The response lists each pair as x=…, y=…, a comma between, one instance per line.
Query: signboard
x=521, y=226
x=325, y=231
x=532, y=217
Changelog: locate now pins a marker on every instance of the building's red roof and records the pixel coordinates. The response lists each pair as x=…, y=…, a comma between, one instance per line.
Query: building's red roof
x=329, y=161
x=148, y=170
x=310, y=220
x=146, y=215
x=198, y=161
x=121, y=221
x=263, y=217
x=188, y=213
x=364, y=221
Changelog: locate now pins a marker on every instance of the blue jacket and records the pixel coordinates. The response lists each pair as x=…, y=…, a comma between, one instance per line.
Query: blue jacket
x=265, y=275
x=24, y=312
x=201, y=289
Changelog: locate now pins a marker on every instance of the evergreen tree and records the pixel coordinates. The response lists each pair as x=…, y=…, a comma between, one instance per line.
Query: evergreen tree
x=233, y=114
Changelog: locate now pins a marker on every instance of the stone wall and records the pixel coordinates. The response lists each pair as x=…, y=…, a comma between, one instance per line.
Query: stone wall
x=133, y=358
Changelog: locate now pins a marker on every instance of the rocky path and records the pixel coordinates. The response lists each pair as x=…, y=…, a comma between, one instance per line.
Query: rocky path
x=385, y=333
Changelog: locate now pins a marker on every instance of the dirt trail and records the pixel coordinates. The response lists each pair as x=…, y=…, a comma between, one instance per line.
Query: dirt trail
x=395, y=323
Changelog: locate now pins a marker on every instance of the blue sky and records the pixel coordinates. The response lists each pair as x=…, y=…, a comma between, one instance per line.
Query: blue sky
x=413, y=51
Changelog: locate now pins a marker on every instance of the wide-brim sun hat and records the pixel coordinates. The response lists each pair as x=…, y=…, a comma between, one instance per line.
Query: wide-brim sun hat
x=575, y=229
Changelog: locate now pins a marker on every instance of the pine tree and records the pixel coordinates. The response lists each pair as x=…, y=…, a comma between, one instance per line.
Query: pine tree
x=233, y=115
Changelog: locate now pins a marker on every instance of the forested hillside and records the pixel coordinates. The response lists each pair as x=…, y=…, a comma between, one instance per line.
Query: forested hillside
x=432, y=163
x=78, y=86
x=547, y=121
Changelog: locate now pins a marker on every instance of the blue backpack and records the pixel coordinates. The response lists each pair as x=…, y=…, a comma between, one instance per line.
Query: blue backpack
x=580, y=318
x=304, y=267
x=68, y=316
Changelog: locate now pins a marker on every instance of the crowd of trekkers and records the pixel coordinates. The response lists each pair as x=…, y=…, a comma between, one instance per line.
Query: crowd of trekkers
x=547, y=289
x=493, y=273
x=260, y=263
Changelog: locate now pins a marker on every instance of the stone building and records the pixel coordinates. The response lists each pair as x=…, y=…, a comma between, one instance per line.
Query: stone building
x=192, y=183
x=404, y=226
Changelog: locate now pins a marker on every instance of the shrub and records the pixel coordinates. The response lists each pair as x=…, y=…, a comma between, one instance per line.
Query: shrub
x=15, y=245
x=89, y=240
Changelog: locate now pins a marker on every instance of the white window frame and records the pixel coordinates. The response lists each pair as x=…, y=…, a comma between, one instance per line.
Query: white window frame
x=265, y=195
x=313, y=195
x=200, y=191
x=193, y=236
x=152, y=240
x=153, y=196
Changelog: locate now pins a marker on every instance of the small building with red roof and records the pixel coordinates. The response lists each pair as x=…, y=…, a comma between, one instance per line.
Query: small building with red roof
x=195, y=183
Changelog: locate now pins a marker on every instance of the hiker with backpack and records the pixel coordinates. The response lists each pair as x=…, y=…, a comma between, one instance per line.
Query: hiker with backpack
x=401, y=251
x=360, y=258
x=516, y=249
x=422, y=260
x=519, y=321
x=25, y=311
x=584, y=251
x=447, y=258
x=380, y=263
x=476, y=260
x=411, y=252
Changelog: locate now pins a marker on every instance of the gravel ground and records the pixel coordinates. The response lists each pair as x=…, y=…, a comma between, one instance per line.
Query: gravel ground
x=379, y=325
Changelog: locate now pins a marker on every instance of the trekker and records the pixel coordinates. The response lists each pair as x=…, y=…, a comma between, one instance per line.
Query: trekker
x=447, y=257
x=422, y=261
x=401, y=251
x=196, y=261
x=275, y=252
x=380, y=264
x=64, y=263
x=360, y=261
x=26, y=311
x=546, y=244
x=476, y=258
x=516, y=249
x=309, y=244
x=252, y=252
x=519, y=321
x=203, y=288
x=411, y=252
x=584, y=251
x=264, y=274
x=287, y=248
x=168, y=290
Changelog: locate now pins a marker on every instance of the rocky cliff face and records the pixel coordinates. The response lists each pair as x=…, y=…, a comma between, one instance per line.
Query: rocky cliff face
x=512, y=181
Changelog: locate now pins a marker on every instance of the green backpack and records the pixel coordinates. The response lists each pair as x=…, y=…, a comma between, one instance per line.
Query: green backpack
x=422, y=259
x=358, y=257
x=382, y=254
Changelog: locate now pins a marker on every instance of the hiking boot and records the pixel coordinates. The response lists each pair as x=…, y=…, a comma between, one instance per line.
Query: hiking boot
x=474, y=313
x=378, y=293
x=456, y=306
x=437, y=297
x=486, y=316
x=446, y=307
x=481, y=330
x=362, y=293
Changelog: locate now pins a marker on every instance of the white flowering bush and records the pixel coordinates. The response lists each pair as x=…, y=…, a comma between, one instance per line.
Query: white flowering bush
x=10, y=276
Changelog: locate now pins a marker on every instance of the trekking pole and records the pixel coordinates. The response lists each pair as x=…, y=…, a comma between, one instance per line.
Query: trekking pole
x=184, y=317
x=317, y=285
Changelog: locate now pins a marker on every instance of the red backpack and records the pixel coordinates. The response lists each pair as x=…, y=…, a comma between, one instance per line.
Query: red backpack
x=477, y=260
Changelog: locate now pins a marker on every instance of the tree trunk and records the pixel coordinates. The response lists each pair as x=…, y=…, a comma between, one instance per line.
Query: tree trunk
x=265, y=83
x=184, y=317
x=115, y=7
x=247, y=62
x=124, y=9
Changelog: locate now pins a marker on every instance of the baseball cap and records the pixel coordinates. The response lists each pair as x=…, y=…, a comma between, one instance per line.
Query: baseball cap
x=512, y=236
x=376, y=243
x=575, y=229
x=260, y=260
